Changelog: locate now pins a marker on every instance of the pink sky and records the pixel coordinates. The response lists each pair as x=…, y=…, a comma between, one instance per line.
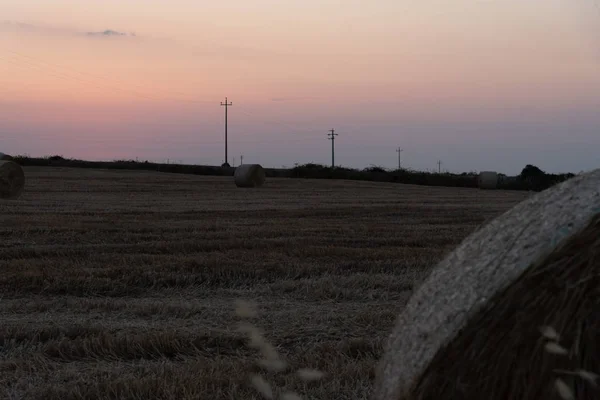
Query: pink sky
x=478, y=84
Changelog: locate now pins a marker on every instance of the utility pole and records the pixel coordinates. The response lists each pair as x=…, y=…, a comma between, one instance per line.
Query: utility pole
x=241, y=159
x=226, y=106
x=439, y=163
x=331, y=136
x=399, y=150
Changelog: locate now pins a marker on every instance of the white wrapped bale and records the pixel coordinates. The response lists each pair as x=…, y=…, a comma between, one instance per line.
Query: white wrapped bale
x=488, y=180
x=249, y=176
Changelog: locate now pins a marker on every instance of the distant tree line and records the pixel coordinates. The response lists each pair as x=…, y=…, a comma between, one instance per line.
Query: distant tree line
x=530, y=178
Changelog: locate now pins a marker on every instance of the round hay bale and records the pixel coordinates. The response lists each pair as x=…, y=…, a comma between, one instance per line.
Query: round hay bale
x=472, y=330
x=488, y=180
x=249, y=175
x=12, y=180
x=5, y=157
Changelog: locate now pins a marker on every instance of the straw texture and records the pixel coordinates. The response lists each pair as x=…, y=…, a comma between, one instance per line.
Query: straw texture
x=483, y=265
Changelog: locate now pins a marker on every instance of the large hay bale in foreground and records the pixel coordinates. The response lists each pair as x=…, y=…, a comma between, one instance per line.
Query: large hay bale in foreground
x=249, y=175
x=12, y=180
x=472, y=330
x=5, y=157
x=488, y=180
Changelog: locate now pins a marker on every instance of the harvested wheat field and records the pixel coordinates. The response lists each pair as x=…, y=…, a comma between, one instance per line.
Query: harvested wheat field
x=121, y=284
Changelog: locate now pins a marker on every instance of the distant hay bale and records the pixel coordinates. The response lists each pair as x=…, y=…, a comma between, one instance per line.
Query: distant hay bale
x=12, y=180
x=474, y=328
x=5, y=157
x=249, y=175
x=488, y=180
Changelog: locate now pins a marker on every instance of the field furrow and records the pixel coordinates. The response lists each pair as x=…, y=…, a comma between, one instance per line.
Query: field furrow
x=121, y=284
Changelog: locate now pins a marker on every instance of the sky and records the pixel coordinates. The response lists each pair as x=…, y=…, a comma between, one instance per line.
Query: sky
x=475, y=84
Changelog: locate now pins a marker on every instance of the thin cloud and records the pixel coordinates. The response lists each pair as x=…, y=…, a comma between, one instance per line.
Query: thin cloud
x=17, y=26
x=50, y=30
x=294, y=98
x=110, y=32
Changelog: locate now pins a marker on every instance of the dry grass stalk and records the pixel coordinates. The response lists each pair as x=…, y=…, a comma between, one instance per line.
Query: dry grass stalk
x=258, y=341
x=555, y=348
x=587, y=376
x=309, y=375
x=272, y=361
x=272, y=365
x=564, y=391
x=262, y=386
x=12, y=180
x=290, y=396
x=549, y=333
x=249, y=176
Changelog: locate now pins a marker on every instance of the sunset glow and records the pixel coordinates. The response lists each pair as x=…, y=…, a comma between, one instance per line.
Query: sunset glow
x=479, y=84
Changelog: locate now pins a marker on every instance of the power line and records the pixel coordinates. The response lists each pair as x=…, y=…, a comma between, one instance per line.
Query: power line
x=227, y=105
x=62, y=75
x=101, y=77
x=278, y=122
x=331, y=136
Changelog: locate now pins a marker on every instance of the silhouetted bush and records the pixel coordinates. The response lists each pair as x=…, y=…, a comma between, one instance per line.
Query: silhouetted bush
x=533, y=178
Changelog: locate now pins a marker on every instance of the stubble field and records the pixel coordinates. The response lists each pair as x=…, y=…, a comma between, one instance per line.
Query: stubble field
x=120, y=284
